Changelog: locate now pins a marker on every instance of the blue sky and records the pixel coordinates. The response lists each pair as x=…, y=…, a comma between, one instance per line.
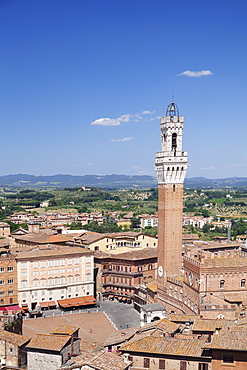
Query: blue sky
x=83, y=82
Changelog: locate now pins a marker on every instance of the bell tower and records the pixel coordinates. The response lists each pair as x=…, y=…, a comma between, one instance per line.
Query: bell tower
x=171, y=165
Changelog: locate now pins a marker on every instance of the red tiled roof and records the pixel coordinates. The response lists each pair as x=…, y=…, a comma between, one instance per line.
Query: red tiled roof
x=77, y=302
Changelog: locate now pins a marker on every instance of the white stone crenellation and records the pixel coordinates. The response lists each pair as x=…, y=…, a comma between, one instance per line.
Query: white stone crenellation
x=171, y=163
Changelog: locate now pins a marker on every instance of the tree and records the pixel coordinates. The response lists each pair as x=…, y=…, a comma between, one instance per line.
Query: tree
x=135, y=223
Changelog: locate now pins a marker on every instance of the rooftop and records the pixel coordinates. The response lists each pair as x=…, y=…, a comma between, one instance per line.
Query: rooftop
x=65, y=330
x=49, y=342
x=235, y=340
x=16, y=339
x=166, y=346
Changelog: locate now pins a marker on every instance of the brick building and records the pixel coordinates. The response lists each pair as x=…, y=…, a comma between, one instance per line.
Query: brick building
x=118, y=275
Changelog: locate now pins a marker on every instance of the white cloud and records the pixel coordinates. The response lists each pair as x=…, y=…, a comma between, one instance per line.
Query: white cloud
x=123, y=118
x=203, y=72
x=91, y=164
x=124, y=139
x=207, y=168
x=106, y=122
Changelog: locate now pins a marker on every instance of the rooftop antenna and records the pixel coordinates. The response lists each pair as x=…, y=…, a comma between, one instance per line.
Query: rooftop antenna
x=163, y=112
x=172, y=97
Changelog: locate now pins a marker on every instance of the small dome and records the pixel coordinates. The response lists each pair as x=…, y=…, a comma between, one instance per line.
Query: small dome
x=172, y=110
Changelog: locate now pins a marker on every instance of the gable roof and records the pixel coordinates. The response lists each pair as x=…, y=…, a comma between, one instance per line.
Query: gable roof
x=65, y=330
x=13, y=338
x=235, y=340
x=165, y=346
x=99, y=361
x=49, y=342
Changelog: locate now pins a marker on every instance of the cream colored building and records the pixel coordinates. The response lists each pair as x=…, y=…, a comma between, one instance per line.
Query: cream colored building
x=51, y=273
x=117, y=242
x=4, y=230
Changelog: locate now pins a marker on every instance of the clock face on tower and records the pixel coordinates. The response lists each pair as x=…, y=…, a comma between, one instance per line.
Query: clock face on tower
x=160, y=271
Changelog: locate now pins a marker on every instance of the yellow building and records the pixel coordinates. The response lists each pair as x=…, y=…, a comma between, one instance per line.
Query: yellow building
x=117, y=242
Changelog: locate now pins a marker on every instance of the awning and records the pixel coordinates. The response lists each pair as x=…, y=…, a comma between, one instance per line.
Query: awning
x=47, y=304
x=14, y=307
x=77, y=302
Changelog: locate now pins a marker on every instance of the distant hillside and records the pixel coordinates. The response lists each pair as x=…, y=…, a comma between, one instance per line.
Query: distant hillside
x=201, y=182
x=108, y=181
x=112, y=181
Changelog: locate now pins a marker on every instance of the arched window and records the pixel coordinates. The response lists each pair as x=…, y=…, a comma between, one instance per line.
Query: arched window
x=174, y=141
x=222, y=284
x=242, y=284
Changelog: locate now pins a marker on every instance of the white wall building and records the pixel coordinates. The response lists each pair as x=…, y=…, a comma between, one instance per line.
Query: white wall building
x=53, y=273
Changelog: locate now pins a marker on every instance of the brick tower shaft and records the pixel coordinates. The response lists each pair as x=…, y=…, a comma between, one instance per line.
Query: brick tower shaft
x=171, y=166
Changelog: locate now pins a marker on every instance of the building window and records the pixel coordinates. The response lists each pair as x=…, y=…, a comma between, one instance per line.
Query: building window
x=70, y=279
x=222, y=284
x=23, y=265
x=62, y=280
x=146, y=362
x=88, y=268
x=35, y=273
x=1, y=293
x=35, y=265
x=23, y=274
x=56, y=263
x=43, y=282
x=62, y=263
x=76, y=261
x=88, y=259
x=139, y=268
x=10, y=268
x=183, y=365
x=202, y=366
x=150, y=267
x=35, y=283
x=77, y=278
x=69, y=270
x=77, y=269
x=243, y=283
x=50, y=264
x=162, y=364
x=1, y=269
x=70, y=261
x=50, y=281
x=10, y=281
x=42, y=264
x=56, y=281
x=228, y=359
x=23, y=284
x=62, y=271
x=88, y=277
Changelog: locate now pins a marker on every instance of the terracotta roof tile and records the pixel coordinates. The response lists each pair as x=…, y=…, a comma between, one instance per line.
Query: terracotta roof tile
x=165, y=346
x=49, y=342
x=16, y=339
x=205, y=325
x=230, y=340
x=65, y=330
